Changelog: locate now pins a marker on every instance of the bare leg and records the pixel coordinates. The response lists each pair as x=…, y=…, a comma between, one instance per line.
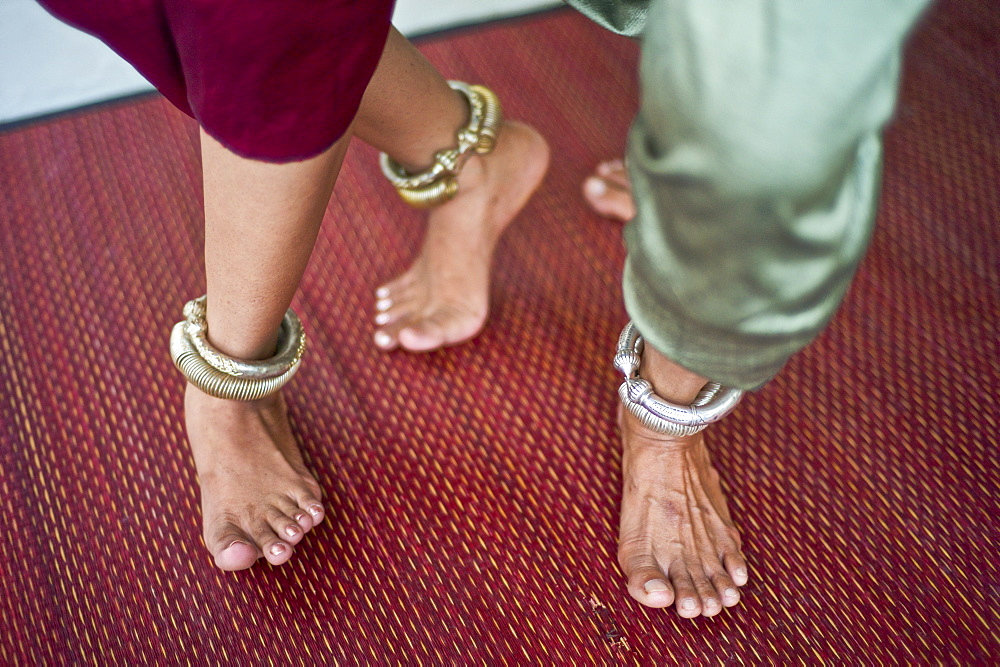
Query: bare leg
x=410, y=112
x=609, y=192
x=677, y=543
x=261, y=221
x=258, y=499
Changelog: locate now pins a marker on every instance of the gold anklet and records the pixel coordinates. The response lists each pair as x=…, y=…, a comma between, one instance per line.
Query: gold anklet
x=226, y=377
x=439, y=183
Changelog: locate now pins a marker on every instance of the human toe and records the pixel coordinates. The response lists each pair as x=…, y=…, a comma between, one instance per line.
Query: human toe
x=616, y=175
x=421, y=336
x=384, y=340
x=610, y=167
x=275, y=549
x=727, y=589
x=298, y=515
x=610, y=201
x=686, y=597
x=277, y=552
x=647, y=583
x=286, y=527
x=709, y=598
x=594, y=187
x=394, y=287
x=314, y=508
x=392, y=321
x=232, y=548
x=736, y=566
x=303, y=520
x=448, y=325
x=394, y=309
x=650, y=587
x=388, y=335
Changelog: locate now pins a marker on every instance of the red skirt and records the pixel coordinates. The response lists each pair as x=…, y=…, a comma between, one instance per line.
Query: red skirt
x=275, y=80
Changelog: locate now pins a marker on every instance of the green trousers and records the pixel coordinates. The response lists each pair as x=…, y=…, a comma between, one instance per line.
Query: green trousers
x=755, y=161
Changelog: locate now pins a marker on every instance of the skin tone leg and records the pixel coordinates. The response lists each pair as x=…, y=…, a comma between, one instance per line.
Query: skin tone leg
x=261, y=222
x=443, y=298
x=258, y=498
x=677, y=543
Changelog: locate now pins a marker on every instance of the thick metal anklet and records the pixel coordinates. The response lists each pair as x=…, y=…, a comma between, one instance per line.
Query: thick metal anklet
x=439, y=183
x=637, y=395
x=226, y=377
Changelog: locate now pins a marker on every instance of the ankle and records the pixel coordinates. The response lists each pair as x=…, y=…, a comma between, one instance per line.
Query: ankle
x=670, y=380
x=474, y=174
x=639, y=439
x=195, y=400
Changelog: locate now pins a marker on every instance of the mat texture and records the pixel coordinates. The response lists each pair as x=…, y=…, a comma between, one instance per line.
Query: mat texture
x=473, y=514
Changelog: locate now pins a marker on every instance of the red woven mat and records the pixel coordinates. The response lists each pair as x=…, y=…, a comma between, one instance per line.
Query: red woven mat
x=474, y=513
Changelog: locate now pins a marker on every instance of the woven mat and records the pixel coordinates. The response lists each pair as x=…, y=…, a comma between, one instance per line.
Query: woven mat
x=474, y=513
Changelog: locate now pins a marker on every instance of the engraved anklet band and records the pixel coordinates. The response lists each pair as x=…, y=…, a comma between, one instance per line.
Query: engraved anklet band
x=439, y=183
x=226, y=377
x=712, y=403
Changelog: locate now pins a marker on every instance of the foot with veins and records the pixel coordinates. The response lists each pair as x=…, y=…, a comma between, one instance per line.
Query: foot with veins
x=677, y=543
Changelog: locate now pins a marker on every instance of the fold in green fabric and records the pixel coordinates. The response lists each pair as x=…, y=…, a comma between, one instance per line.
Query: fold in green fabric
x=755, y=161
x=626, y=17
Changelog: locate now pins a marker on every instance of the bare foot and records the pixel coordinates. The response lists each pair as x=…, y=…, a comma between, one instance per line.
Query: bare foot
x=677, y=544
x=609, y=192
x=258, y=499
x=443, y=299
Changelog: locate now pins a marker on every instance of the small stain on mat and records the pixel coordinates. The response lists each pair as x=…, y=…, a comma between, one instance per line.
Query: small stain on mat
x=607, y=628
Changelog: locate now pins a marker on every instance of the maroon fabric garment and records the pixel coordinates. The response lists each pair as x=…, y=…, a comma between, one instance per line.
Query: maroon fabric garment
x=275, y=80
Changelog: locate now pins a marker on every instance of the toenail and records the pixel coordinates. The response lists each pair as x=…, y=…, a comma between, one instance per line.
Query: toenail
x=741, y=573
x=689, y=604
x=382, y=318
x=292, y=531
x=596, y=187
x=382, y=292
x=712, y=602
x=655, y=586
x=315, y=510
x=382, y=339
x=730, y=593
x=234, y=543
x=383, y=304
x=299, y=517
x=278, y=549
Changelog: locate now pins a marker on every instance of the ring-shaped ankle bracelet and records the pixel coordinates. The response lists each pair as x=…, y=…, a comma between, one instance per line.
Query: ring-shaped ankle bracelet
x=637, y=395
x=227, y=377
x=439, y=183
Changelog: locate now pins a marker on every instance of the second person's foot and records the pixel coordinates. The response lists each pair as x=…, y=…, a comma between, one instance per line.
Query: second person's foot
x=443, y=298
x=609, y=191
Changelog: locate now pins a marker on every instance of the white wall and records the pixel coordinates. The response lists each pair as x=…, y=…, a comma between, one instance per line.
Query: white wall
x=46, y=66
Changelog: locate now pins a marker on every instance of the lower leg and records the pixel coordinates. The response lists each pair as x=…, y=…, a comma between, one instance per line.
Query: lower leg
x=735, y=176
x=261, y=222
x=410, y=112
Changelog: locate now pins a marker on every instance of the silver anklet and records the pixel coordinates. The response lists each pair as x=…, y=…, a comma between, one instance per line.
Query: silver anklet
x=712, y=403
x=439, y=183
x=226, y=377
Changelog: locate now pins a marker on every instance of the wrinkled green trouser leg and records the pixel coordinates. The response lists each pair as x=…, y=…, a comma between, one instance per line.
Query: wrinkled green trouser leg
x=755, y=162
